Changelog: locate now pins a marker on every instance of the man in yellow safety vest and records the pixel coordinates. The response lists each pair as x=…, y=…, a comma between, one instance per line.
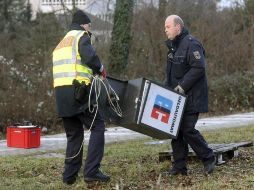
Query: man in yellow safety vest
x=74, y=62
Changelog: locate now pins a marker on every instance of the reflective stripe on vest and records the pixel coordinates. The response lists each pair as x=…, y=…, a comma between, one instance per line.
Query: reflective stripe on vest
x=70, y=74
x=67, y=64
x=65, y=61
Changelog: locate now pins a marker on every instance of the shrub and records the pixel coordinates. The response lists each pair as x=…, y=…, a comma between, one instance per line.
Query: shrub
x=232, y=93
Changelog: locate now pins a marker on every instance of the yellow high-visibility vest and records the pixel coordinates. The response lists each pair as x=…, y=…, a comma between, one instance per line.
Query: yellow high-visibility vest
x=67, y=61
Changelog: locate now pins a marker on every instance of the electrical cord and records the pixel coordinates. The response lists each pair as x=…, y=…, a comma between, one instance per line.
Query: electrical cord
x=96, y=83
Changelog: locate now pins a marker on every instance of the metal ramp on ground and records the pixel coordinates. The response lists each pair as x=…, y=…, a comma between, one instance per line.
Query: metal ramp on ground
x=223, y=152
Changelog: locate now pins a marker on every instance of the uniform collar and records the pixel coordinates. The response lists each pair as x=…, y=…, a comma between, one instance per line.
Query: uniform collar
x=174, y=43
x=178, y=38
x=75, y=26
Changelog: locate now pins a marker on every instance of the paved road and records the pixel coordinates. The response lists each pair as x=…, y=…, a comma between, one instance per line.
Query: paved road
x=116, y=134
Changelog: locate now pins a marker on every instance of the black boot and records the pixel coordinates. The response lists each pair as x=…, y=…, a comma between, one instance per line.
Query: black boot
x=209, y=166
x=70, y=180
x=99, y=176
x=176, y=171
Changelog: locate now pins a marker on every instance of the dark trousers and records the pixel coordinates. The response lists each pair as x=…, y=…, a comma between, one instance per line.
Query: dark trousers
x=75, y=134
x=189, y=135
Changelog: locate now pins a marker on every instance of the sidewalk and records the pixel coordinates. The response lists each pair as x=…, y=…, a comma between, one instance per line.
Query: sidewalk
x=117, y=134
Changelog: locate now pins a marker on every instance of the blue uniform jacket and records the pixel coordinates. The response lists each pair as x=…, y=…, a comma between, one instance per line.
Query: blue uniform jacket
x=186, y=67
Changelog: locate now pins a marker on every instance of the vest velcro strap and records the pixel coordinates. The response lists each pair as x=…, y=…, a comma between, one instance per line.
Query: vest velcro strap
x=69, y=80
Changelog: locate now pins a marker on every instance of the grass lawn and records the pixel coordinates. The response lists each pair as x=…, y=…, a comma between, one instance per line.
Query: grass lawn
x=135, y=165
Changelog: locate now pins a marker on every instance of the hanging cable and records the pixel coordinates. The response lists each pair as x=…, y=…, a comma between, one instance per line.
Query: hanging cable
x=96, y=85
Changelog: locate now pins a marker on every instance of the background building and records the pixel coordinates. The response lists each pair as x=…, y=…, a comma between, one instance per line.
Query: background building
x=99, y=11
x=100, y=8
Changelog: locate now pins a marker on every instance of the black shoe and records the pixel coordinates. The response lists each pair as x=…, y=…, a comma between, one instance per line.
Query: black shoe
x=175, y=171
x=70, y=181
x=99, y=176
x=209, y=166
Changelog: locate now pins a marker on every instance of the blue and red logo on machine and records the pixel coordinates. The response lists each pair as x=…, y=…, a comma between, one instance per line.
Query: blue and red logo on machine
x=161, y=109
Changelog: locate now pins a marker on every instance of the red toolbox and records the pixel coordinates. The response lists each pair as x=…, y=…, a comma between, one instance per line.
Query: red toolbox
x=23, y=136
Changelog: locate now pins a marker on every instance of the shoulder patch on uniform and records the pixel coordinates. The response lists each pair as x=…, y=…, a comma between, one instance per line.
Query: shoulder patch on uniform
x=196, y=54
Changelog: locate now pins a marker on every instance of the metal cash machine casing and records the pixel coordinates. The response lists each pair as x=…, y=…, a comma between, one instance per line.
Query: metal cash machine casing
x=147, y=107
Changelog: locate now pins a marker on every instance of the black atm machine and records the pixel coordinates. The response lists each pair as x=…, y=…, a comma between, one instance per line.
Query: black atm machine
x=147, y=107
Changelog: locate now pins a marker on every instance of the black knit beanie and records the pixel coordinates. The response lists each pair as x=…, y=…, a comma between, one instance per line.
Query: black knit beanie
x=80, y=17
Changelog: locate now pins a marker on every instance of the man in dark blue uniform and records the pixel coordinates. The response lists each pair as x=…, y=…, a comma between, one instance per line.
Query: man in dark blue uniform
x=186, y=74
x=73, y=111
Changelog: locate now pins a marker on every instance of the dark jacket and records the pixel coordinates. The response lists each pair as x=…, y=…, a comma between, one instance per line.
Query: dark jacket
x=66, y=104
x=186, y=67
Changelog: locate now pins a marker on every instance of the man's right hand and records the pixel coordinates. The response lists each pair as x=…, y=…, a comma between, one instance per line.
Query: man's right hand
x=104, y=73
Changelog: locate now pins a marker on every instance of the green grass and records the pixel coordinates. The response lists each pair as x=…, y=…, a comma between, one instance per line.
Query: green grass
x=135, y=165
